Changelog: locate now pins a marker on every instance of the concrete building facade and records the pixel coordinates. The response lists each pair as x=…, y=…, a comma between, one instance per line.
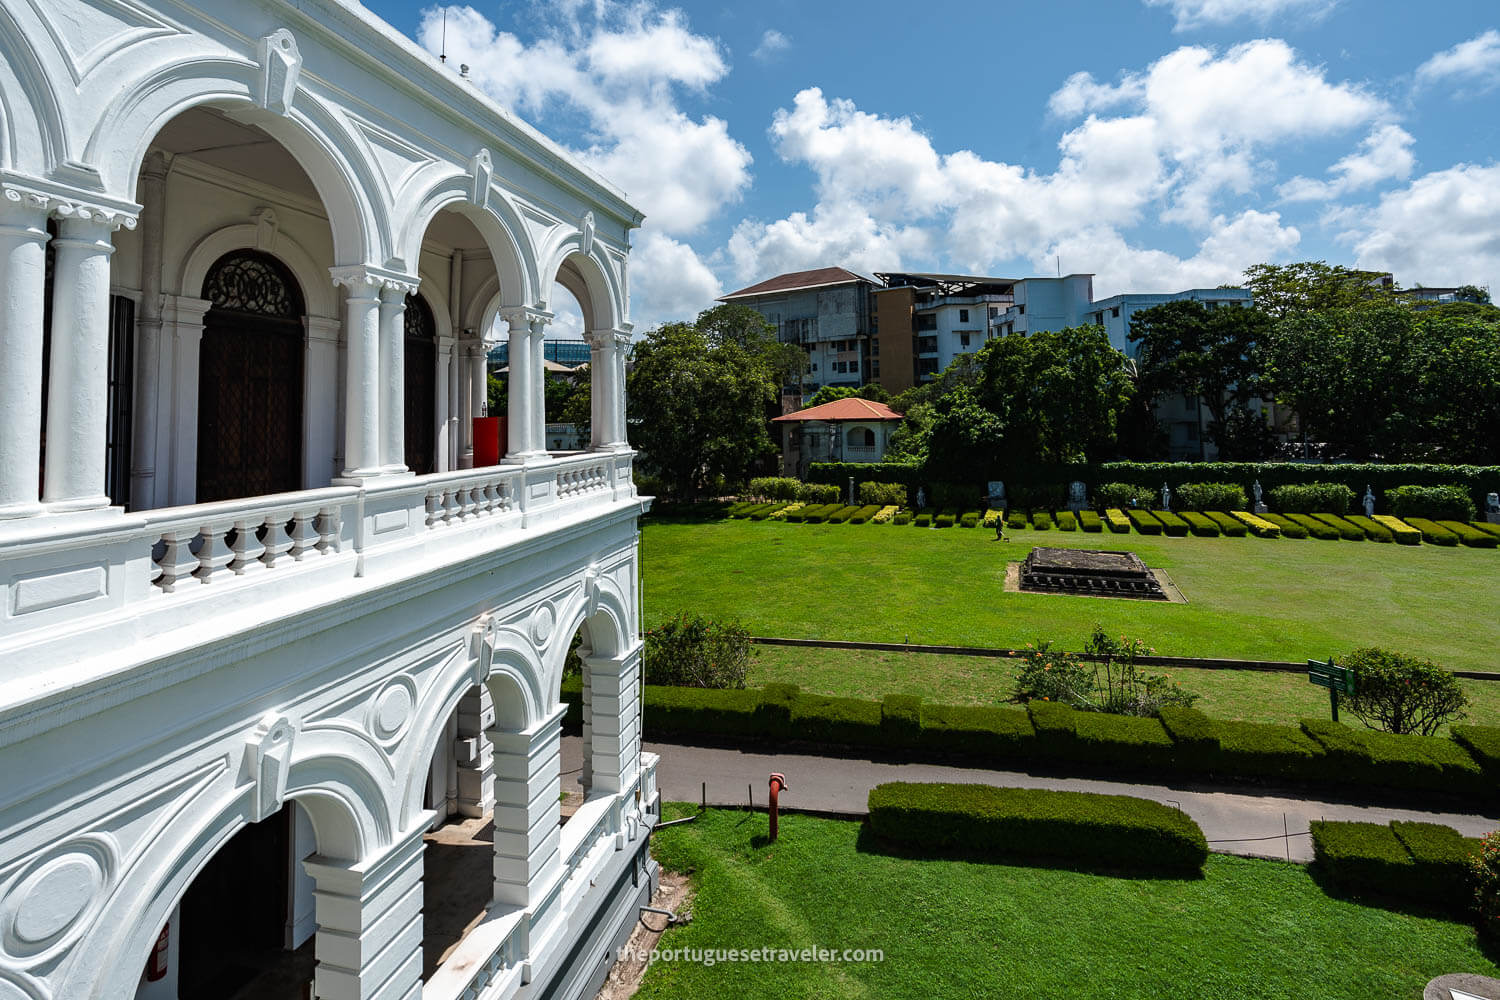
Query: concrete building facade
x=256, y=603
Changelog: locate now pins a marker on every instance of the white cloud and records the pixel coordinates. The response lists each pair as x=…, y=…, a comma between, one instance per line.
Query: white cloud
x=1384, y=155
x=668, y=281
x=604, y=62
x=1442, y=229
x=771, y=44
x=1476, y=61
x=836, y=233
x=1192, y=14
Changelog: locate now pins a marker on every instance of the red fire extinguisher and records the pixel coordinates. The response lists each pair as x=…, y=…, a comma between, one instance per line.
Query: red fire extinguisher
x=156, y=967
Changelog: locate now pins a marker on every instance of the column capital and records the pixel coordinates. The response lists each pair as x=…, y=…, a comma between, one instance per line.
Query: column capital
x=523, y=316
x=68, y=202
x=367, y=277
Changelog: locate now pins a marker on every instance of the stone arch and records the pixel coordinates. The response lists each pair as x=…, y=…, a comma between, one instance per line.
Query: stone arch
x=30, y=115
x=312, y=134
x=600, y=608
x=141, y=904
x=317, y=290
x=591, y=281
x=498, y=223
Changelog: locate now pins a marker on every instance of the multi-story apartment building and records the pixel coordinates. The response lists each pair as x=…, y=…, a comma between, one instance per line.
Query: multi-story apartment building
x=1116, y=312
x=924, y=321
x=263, y=624
x=1047, y=304
x=826, y=311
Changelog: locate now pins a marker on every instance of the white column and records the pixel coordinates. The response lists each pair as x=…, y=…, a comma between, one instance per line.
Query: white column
x=23, y=263
x=601, y=366
x=528, y=813
x=476, y=757
x=145, y=403
x=78, y=397
x=369, y=943
x=539, y=384
x=320, y=446
x=177, y=438
x=362, y=383
x=518, y=446
x=479, y=372
x=444, y=405
x=618, y=435
x=393, y=376
x=465, y=428
x=613, y=747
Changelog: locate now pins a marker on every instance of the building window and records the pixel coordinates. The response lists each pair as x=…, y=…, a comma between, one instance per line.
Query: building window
x=875, y=348
x=927, y=345
x=874, y=369
x=963, y=339
x=1114, y=312
x=927, y=321
x=1021, y=309
x=963, y=315
x=994, y=312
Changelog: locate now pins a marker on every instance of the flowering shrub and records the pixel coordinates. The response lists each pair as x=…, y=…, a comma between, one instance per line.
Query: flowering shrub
x=1105, y=678
x=886, y=515
x=1484, y=873
x=1403, y=694
x=697, y=652
x=992, y=515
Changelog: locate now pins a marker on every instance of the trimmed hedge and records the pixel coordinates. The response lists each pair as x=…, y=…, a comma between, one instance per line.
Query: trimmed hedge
x=1471, y=537
x=902, y=517
x=1211, y=496
x=1259, y=526
x=1041, y=520
x=1420, y=862
x=1066, y=521
x=1173, y=525
x=922, y=520
x=1118, y=523
x=1144, y=522
x=1203, y=525
x=943, y=521
x=969, y=520
x=843, y=514
x=1347, y=530
x=1373, y=529
x=1440, y=503
x=1228, y=524
x=1404, y=533
x=1313, y=526
x=1090, y=521
x=1109, y=831
x=1312, y=498
x=1432, y=532
x=1486, y=527
x=1180, y=741
x=863, y=514
x=1289, y=529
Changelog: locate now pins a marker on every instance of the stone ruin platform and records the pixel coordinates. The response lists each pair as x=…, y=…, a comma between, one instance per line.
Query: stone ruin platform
x=1090, y=573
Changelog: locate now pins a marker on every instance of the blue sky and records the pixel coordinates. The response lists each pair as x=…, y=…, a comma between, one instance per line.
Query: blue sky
x=1159, y=144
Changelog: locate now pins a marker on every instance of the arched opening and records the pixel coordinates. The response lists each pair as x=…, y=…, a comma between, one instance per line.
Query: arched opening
x=245, y=925
x=250, y=379
x=421, y=386
x=596, y=398
x=860, y=437
x=237, y=326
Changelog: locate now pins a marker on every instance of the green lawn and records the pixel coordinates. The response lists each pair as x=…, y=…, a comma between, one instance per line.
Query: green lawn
x=1253, y=598
x=948, y=928
x=1252, y=695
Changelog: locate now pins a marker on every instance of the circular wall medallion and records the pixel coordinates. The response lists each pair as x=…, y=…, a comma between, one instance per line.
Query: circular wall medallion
x=391, y=709
x=542, y=621
x=55, y=899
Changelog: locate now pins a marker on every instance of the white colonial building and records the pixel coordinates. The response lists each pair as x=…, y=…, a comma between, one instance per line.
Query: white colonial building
x=263, y=623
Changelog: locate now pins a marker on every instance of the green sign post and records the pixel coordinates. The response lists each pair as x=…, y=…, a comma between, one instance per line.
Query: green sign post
x=1333, y=677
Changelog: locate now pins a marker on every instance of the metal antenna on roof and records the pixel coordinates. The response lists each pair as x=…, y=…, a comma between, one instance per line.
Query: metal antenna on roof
x=1059, y=265
x=443, y=56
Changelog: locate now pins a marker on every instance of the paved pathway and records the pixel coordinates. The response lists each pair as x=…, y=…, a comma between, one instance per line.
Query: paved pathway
x=1235, y=822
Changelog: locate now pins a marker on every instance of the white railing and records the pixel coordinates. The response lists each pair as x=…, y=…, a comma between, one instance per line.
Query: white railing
x=455, y=497
x=483, y=960
x=583, y=478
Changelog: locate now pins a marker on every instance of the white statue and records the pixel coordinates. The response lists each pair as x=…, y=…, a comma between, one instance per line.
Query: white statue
x=1260, y=507
x=1369, y=501
x=1166, y=497
x=921, y=498
x=1492, y=508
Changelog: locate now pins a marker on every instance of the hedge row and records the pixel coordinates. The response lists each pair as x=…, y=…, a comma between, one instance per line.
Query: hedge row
x=1080, y=828
x=1421, y=862
x=1181, y=741
x=1477, y=480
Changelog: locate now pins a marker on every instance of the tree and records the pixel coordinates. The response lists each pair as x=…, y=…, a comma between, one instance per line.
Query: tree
x=742, y=326
x=1205, y=354
x=1403, y=694
x=1285, y=290
x=1050, y=397
x=828, y=394
x=701, y=400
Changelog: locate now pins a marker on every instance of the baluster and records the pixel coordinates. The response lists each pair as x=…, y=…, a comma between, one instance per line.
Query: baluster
x=213, y=554
x=471, y=505
x=492, y=497
x=304, y=534
x=278, y=540
x=247, y=548
x=450, y=505
x=434, y=505
x=328, y=530
x=177, y=563
x=481, y=500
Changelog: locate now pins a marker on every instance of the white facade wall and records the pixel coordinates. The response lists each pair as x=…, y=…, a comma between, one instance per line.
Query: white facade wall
x=1116, y=312
x=1047, y=304
x=829, y=322
x=180, y=671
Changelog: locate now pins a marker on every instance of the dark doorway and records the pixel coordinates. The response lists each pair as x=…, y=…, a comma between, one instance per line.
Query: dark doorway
x=421, y=386
x=250, y=375
x=233, y=914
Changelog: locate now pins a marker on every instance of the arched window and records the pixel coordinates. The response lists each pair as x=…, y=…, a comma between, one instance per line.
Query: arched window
x=860, y=437
x=421, y=385
x=250, y=373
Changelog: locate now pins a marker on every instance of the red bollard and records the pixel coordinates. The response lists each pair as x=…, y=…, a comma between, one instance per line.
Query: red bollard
x=778, y=782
